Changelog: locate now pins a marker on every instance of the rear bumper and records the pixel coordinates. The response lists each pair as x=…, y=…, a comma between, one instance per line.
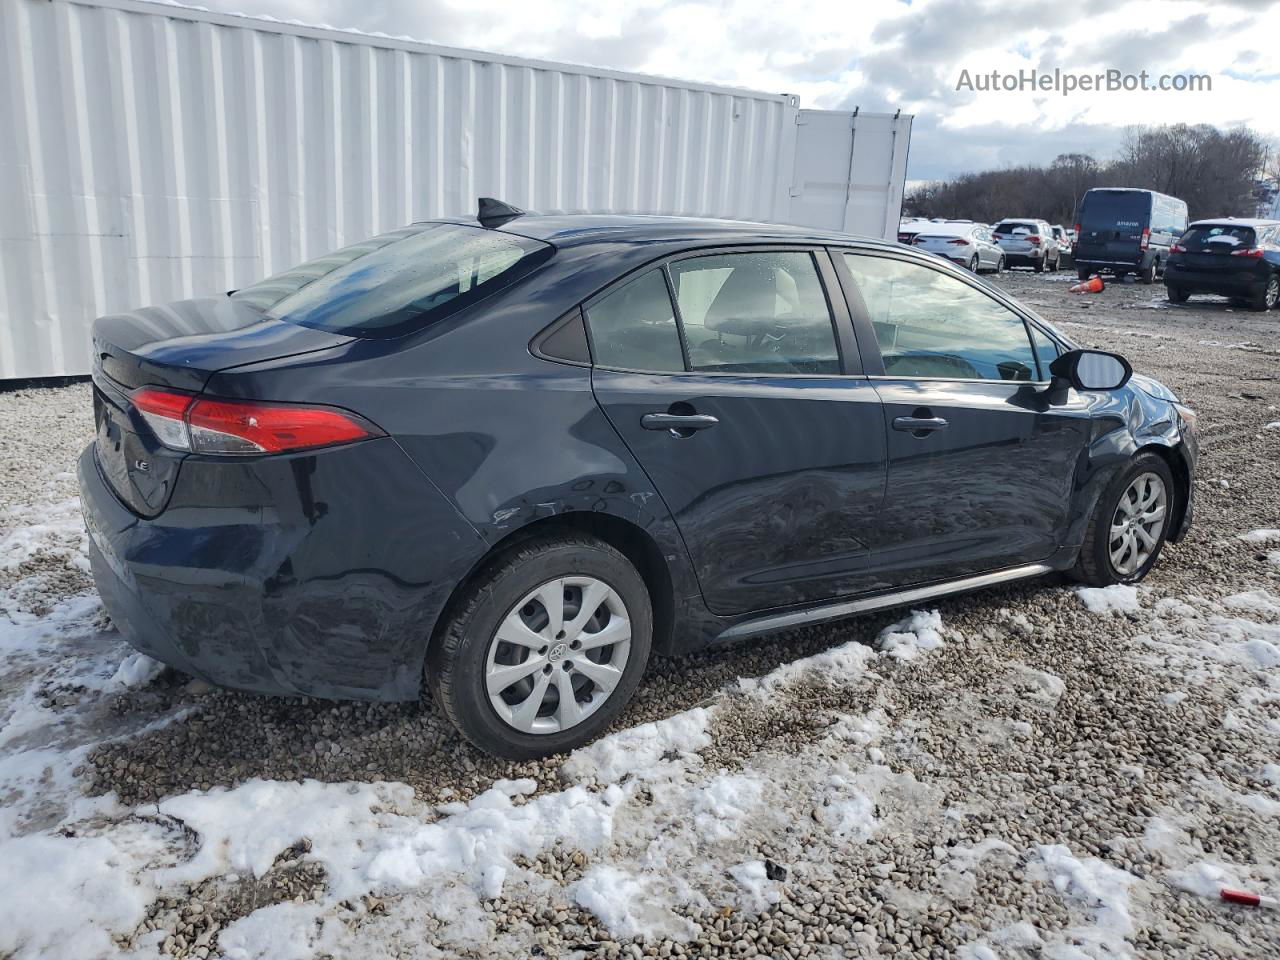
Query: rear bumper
x=1227, y=283
x=1015, y=258
x=321, y=575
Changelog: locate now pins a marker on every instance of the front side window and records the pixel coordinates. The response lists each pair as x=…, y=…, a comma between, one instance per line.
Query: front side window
x=634, y=327
x=930, y=324
x=397, y=282
x=755, y=313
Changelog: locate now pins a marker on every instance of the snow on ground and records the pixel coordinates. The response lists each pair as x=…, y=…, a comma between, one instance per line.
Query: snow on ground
x=664, y=833
x=1031, y=771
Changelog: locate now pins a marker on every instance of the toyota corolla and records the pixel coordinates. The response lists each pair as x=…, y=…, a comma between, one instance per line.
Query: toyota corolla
x=506, y=459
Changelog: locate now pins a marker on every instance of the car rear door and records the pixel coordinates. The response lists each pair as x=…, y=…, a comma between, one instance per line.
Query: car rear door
x=981, y=467
x=734, y=379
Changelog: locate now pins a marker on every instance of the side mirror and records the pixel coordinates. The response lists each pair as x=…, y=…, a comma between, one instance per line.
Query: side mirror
x=1091, y=370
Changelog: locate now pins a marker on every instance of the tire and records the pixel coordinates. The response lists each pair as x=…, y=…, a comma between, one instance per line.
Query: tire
x=460, y=662
x=1148, y=274
x=1177, y=294
x=1097, y=564
x=1038, y=266
x=1000, y=267
x=1083, y=273
x=973, y=264
x=1120, y=275
x=1056, y=264
x=1268, y=296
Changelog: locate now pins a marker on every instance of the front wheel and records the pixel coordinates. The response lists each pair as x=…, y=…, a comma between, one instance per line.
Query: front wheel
x=1130, y=524
x=545, y=648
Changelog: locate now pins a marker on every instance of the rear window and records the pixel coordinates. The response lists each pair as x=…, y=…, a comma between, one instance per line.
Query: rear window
x=397, y=282
x=1114, y=209
x=1218, y=236
x=1010, y=226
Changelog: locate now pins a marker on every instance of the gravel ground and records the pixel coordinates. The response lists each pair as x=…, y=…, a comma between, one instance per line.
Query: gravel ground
x=1037, y=723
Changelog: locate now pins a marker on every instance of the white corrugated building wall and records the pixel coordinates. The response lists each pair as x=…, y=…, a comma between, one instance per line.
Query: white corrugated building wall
x=153, y=152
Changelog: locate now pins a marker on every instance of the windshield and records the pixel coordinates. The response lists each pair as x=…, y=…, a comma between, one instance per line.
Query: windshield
x=1217, y=238
x=397, y=282
x=1115, y=209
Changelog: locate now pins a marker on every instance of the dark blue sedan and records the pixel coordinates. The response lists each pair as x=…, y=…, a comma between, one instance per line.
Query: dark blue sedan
x=508, y=458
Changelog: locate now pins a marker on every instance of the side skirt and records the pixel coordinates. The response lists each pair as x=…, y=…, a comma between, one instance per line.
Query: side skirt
x=831, y=611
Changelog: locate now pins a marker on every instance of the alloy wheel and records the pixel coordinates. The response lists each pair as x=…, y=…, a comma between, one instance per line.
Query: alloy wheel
x=1273, y=292
x=1137, y=523
x=558, y=655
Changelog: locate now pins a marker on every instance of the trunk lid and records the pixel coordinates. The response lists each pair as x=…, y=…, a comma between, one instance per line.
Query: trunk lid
x=181, y=346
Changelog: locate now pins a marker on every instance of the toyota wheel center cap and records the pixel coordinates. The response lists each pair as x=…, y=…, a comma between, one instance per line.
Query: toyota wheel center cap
x=558, y=652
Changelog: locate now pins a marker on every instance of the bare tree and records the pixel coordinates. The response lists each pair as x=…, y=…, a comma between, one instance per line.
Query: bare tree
x=1214, y=171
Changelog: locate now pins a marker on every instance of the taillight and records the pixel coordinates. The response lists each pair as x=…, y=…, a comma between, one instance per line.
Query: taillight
x=1255, y=253
x=1146, y=238
x=240, y=427
x=1177, y=248
x=1034, y=240
x=959, y=242
x=1077, y=230
x=904, y=238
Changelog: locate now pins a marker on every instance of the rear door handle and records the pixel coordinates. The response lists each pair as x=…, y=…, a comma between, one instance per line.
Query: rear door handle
x=677, y=422
x=919, y=424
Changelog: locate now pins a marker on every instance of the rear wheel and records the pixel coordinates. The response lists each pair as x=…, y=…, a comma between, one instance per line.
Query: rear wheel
x=1038, y=266
x=1000, y=264
x=1148, y=273
x=545, y=649
x=1130, y=524
x=973, y=264
x=1177, y=294
x=1083, y=273
x=1268, y=296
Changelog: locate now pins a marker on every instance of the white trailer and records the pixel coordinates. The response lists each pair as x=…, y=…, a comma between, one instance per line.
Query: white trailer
x=153, y=152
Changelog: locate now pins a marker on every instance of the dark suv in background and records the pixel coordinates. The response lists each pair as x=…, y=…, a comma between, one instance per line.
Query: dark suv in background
x=1122, y=231
x=1233, y=258
x=508, y=457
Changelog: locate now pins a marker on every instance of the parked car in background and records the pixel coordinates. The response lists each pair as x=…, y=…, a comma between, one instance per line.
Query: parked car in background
x=311, y=486
x=969, y=244
x=1232, y=258
x=1028, y=243
x=907, y=230
x=1122, y=231
x=1063, y=239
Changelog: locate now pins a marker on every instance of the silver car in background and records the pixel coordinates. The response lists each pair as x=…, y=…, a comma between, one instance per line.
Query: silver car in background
x=969, y=244
x=1028, y=243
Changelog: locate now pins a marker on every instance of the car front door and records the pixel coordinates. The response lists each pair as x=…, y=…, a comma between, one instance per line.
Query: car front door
x=981, y=466
x=734, y=380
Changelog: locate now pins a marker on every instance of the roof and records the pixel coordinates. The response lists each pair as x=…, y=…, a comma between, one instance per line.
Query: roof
x=571, y=230
x=1236, y=222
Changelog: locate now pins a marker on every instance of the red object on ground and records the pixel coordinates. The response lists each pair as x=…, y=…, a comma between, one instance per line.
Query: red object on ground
x=1248, y=899
x=1092, y=285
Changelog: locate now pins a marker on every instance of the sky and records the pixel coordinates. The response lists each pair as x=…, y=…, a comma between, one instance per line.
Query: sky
x=888, y=55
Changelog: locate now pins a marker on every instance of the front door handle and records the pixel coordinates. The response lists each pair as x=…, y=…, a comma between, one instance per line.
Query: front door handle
x=919, y=425
x=680, y=424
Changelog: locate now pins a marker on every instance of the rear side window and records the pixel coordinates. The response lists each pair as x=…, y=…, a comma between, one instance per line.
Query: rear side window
x=755, y=313
x=930, y=324
x=634, y=327
x=398, y=282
